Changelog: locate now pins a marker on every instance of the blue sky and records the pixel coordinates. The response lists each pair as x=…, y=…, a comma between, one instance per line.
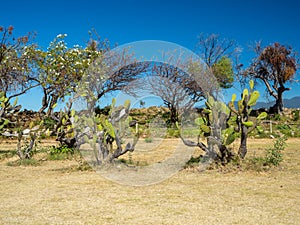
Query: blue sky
x=174, y=21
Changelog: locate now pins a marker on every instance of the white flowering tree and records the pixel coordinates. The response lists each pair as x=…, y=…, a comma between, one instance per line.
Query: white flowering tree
x=60, y=69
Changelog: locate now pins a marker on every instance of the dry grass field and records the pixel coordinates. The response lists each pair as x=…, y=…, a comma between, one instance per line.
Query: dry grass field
x=54, y=193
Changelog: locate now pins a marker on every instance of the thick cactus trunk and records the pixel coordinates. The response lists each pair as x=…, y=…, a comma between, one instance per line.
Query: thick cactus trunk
x=243, y=145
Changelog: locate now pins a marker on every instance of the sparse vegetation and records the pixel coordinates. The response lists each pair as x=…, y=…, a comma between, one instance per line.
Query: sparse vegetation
x=274, y=154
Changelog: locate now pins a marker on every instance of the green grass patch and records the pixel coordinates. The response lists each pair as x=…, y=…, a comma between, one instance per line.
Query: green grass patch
x=25, y=162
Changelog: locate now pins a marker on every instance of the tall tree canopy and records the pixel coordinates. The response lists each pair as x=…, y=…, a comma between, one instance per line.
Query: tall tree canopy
x=275, y=65
x=61, y=68
x=16, y=71
x=217, y=53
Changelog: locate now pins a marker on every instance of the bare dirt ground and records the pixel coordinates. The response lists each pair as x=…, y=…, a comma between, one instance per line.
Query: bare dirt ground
x=53, y=194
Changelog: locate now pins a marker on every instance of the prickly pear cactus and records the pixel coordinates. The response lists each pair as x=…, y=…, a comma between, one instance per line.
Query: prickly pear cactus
x=26, y=136
x=106, y=133
x=7, y=110
x=221, y=124
x=240, y=115
x=213, y=122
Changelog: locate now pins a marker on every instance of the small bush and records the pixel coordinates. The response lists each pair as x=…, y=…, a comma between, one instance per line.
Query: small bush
x=49, y=123
x=296, y=115
x=60, y=153
x=148, y=140
x=61, y=150
x=274, y=154
x=284, y=129
x=173, y=132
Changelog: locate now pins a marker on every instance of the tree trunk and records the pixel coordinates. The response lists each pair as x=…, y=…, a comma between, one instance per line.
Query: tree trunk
x=243, y=145
x=174, y=117
x=53, y=101
x=278, y=107
x=45, y=102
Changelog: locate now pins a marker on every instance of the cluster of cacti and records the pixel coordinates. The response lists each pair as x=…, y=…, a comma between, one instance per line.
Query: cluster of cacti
x=7, y=110
x=240, y=119
x=222, y=124
x=105, y=133
x=64, y=126
x=26, y=137
x=212, y=124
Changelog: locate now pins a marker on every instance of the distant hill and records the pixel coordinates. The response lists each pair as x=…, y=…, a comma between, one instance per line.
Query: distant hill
x=288, y=103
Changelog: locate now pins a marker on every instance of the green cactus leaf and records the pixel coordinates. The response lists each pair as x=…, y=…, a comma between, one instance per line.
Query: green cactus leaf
x=90, y=122
x=210, y=100
x=232, y=120
x=5, y=122
x=260, y=129
x=110, y=129
x=97, y=120
x=72, y=113
x=240, y=106
x=206, y=111
x=225, y=109
x=251, y=84
x=230, y=139
x=253, y=98
x=127, y=104
x=100, y=127
x=63, y=121
x=113, y=102
x=199, y=121
x=262, y=116
x=233, y=97
x=248, y=123
x=205, y=128
x=245, y=93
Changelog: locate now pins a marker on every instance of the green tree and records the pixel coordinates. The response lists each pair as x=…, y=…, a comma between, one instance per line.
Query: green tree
x=60, y=69
x=223, y=70
x=217, y=54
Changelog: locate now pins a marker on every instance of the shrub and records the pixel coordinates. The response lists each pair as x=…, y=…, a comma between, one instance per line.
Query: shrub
x=61, y=150
x=296, y=115
x=49, y=123
x=274, y=154
x=148, y=140
x=173, y=132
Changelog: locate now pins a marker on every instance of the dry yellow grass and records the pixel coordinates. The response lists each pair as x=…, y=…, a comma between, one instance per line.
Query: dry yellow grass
x=47, y=194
